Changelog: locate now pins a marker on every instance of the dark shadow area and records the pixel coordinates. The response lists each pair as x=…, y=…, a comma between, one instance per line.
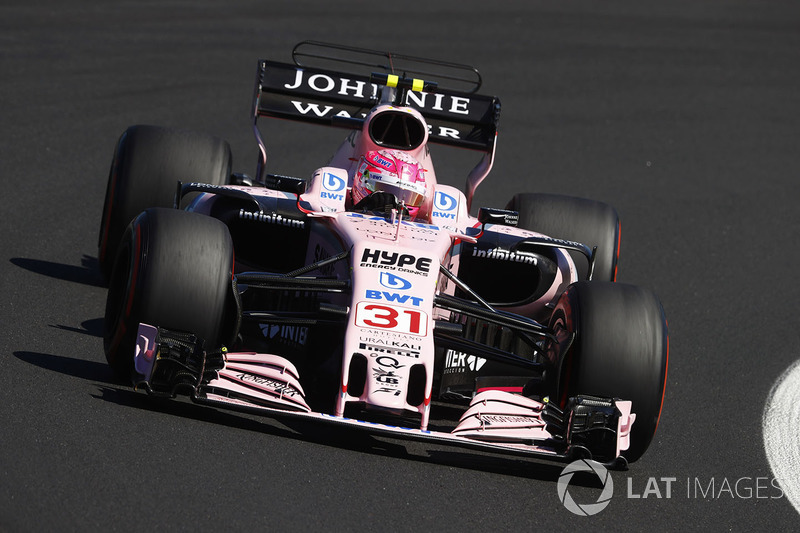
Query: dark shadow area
x=87, y=274
x=343, y=438
x=79, y=368
x=441, y=454
x=92, y=327
x=185, y=408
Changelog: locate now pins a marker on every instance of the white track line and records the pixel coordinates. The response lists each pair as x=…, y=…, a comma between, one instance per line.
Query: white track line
x=781, y=427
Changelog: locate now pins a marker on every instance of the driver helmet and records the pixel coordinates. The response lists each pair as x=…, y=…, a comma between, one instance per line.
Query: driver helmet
x=394, y=172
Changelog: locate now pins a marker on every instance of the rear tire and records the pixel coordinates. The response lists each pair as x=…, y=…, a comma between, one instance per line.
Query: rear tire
x=620, y=350
x=147, y=165
x=574, y=219
x=173, y=270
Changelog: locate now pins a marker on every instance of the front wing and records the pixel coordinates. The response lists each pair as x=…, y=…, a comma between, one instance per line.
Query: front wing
x=169, y=363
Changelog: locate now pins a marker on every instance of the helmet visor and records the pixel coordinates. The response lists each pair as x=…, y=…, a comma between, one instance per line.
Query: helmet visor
x=410, y=194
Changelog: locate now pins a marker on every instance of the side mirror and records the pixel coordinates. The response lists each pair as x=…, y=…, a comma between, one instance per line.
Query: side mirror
x=238, y=178
x=489, y=215
x=285, y=184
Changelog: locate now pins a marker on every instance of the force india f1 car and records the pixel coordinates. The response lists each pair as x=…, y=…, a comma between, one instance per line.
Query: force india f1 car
x=367, y=296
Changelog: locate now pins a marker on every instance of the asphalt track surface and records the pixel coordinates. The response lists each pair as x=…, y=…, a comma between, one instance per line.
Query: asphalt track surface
x=684, y=115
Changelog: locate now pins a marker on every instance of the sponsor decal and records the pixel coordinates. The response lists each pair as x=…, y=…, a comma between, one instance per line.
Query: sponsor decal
x=274, y=385
x=323, y=83
x=558, y=241
x=458, y=362
x=395, y=261
x=390, y=338
x=207, y=185
x=304, y=108
x=394, y=297
x=395, y=282
x=388, y=317
x=444, y=205
x=375, y=219
x=489, y=420
x=444, y=132
x=386, y=377
x=445, y=202
x=332, y=182
x=319, y=254
x=333, y=185
x=385, y=360
x=375, y=351
x=288, y=334
x=319, y=111
x=505, y=255
x=331, y=196
x=355, y=421
x=439, y=102
x=385, y=163
x=395, y=392
x=271, y=218
x=423, y=234
x=390, y=343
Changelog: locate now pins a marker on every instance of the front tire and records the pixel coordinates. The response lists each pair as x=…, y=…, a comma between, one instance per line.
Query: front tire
x=147, y=165
x=620, y=350
x=589, y=222
x=173, y=270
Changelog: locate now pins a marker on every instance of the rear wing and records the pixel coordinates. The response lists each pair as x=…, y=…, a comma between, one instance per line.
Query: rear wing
x=307, y=91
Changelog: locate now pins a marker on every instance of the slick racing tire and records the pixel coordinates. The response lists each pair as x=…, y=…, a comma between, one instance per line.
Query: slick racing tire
x=147, y=165
x=620, y=350
x=173, y=270
x=574, y=219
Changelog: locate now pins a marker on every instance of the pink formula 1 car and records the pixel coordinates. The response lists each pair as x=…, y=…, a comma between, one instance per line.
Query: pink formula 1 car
x=368, y=296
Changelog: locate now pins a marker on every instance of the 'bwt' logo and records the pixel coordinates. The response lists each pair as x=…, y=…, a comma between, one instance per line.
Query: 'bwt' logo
x=332, y=185
x=586, y=509
x=392, y=281
x=332, y=182
x=445, y=202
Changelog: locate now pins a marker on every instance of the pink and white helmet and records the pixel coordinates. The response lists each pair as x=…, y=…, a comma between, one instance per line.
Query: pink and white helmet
x=394, y=172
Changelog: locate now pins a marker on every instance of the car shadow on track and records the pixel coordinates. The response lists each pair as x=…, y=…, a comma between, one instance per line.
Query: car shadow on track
x=87, y=274
x=111, y=389
x=346, y=438
x=184, y=408
x=443, y=455
x=341, y=438
x=92, y=327
x=71, y=366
